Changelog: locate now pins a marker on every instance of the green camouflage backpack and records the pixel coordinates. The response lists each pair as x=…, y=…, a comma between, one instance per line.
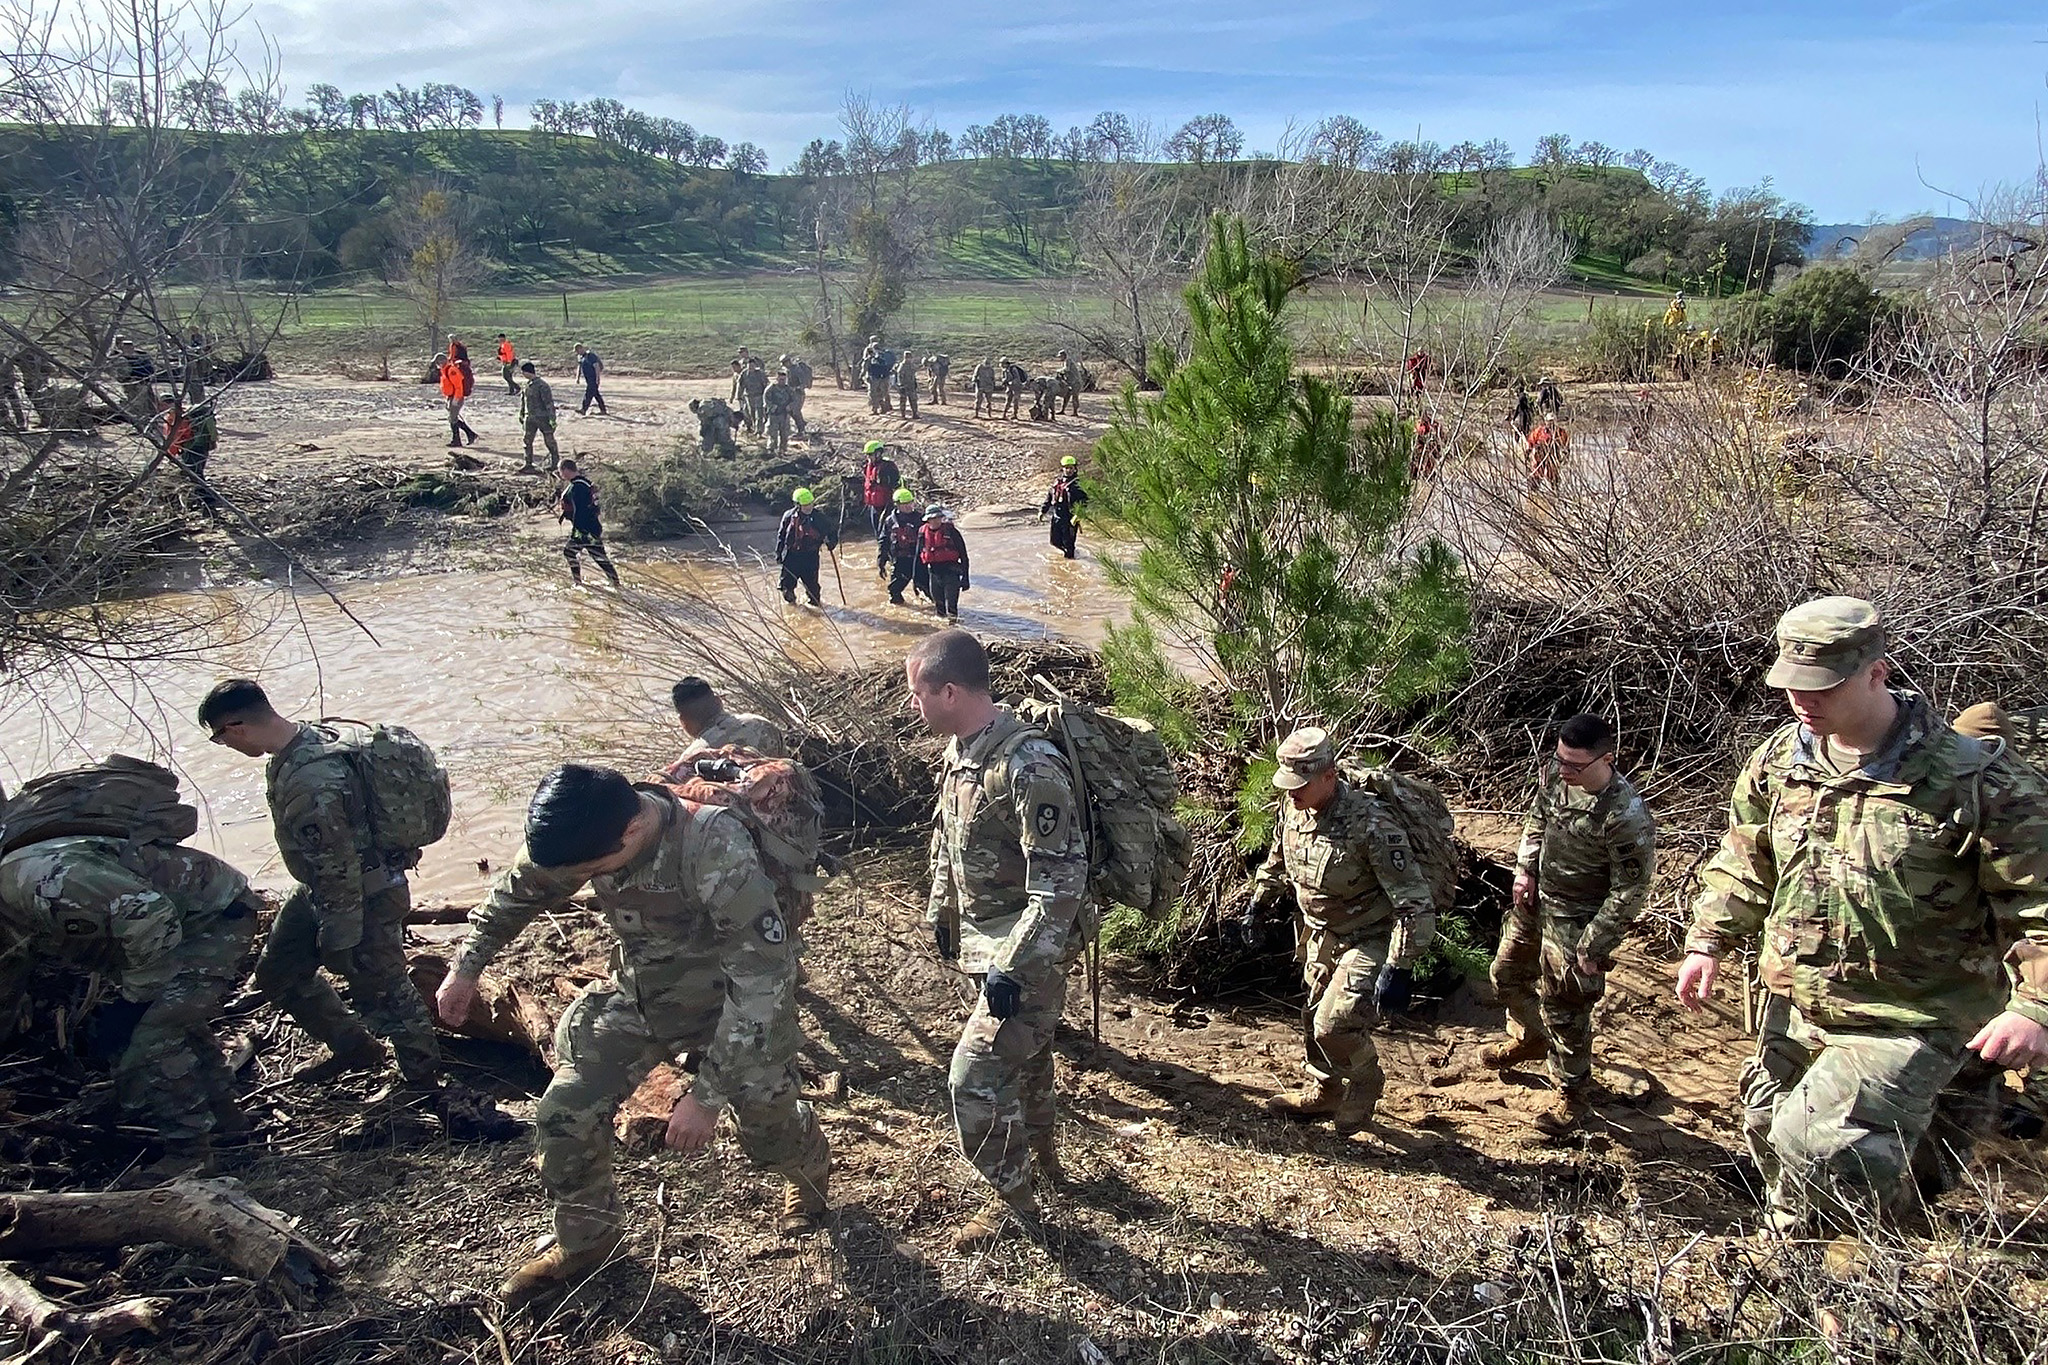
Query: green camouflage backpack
x=121, y=798
x=405, y=789
x=1426, y=817
x=1138, y=850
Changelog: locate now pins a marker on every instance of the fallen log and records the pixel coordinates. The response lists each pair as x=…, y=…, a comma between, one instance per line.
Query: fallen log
x=207, y=1215
x=22, y=1302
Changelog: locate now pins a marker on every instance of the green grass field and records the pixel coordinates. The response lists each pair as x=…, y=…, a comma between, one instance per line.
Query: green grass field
x=691, y=323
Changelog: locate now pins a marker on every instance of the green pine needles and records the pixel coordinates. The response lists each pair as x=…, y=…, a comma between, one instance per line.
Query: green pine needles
x=1273, y=537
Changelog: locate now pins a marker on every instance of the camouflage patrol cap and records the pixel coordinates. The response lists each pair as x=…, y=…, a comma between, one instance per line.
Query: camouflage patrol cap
x=1304, y=756
x=1825, y=642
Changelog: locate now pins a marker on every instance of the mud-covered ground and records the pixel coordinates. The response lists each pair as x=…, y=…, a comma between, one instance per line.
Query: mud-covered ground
x=356, y=478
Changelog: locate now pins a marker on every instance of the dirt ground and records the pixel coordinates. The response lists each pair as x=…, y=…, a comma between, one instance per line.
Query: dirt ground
x=323, y=463
x=1192, y=1226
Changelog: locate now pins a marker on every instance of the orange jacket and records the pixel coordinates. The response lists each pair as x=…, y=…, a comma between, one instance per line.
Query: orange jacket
x=451, y=380
x=505, y=355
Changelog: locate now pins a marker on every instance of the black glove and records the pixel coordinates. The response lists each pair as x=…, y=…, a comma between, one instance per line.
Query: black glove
x=942, y=934
x=1394, y=990
x=1002, y=992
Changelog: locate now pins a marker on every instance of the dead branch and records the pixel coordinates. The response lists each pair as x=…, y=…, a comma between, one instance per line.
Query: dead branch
x=207, y=1215
x=22, y=1302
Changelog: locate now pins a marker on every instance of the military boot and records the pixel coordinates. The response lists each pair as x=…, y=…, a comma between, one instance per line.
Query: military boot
x=804, y=1203
x=1566, y=1113
x=1311, y=1101
x=1045, y=1160
x=1361, y=1098
x=1529, y=1047
x=554, y=1271
x=1016, y=1212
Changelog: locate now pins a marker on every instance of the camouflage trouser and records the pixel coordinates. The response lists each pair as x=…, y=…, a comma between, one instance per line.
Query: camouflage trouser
x=984, y=402
x=546, y=433
x=1536, y=973
x=778, y=431
x=604, y=1048
x=1835, y=1118
x=171, y=1075
x=1338, y=1019
x=716, y=438
x=1001, y=1079
x=878, y=394
x=288, y=974
x=796, y=408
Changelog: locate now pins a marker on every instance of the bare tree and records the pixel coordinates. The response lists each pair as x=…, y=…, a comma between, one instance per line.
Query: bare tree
x=126, y=267
x=435, y=264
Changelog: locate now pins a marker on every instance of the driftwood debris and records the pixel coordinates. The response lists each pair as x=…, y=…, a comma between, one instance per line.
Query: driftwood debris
x=25, y=1304
x=503, y=1012
x=214, y=1216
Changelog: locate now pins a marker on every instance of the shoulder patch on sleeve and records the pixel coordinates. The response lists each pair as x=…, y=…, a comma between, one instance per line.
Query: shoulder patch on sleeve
x=770, y=927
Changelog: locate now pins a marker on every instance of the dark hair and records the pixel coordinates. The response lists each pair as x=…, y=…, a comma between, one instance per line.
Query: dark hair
x=578, y=813
x=951, y=656
x=565, y=463
x=689, y=692
x=501, y=336
x=231, y=697
x=527, y=368
x=1594, y=734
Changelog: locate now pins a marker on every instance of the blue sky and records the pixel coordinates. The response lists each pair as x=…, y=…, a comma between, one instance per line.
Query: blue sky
x=1850, y=108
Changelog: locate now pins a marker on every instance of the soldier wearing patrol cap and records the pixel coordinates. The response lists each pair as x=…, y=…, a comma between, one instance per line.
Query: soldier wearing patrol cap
x=1898, y=874
x=1366, y=918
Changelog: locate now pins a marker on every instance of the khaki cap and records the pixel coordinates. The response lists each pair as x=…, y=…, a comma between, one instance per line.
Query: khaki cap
x=1304, y=756
x=1825, y=642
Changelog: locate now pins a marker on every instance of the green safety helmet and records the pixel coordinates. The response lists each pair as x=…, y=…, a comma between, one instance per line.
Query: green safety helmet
x=1068, y=461
x=872, y=447
x=905, y=495
x=803, y=497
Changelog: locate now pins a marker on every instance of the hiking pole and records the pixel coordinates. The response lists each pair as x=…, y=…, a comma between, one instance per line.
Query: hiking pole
x=836, y=579
x=1095, y=982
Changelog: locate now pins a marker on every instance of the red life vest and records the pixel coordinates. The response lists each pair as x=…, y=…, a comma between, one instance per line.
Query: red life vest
x=903, y=535
x=804, y=534
x=939, y=543
x=878, y=483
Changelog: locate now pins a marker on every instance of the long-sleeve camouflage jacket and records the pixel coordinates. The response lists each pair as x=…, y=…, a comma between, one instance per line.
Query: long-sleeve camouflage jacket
x=1008, y=853
x=1887, y=897
x=110, y=906
x=323, y=832
x=743, y=728
x=1593, y=854
x=536, y=403
x=1352, y=873
x=698, y=932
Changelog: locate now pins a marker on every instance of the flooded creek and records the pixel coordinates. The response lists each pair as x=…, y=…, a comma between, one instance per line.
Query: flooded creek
x=492, y=668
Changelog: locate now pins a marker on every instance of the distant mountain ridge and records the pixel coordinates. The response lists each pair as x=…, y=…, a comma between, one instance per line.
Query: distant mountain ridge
x=1925, y=237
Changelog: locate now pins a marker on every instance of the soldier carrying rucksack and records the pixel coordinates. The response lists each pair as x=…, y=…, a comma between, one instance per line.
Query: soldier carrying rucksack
x=1367, y=859
x=352, y=805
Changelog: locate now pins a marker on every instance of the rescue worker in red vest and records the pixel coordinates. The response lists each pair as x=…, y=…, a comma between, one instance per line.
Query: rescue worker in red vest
x=896, y=546
x=455, y=386
x=879, y=480
x=1062, y=503
x=798, y=541
x=942, y=552
x=509, y=359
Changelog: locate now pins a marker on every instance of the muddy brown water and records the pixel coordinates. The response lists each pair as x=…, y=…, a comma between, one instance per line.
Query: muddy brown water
x=490, y=667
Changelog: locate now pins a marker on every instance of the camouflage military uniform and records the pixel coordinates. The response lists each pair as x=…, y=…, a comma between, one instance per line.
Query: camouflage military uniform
x=347, y=913
x=752, y=383
x=170, y=926
x=984, y=390
x=906, y=385
x=1592, y=855
x=1364, y=905
x=704, y=966
x=537, y=415
x=1014, y=380
x=743, y=728
x=1883, y=894
x=1009, y=865
x=714, y=427
x=775, y=402
x=1070, y=382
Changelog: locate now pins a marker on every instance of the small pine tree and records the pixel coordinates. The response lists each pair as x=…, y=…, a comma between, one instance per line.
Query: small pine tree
x=1271, y=535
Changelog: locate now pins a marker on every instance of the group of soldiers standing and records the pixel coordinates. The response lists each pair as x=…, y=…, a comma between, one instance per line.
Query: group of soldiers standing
x=1892, y=869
